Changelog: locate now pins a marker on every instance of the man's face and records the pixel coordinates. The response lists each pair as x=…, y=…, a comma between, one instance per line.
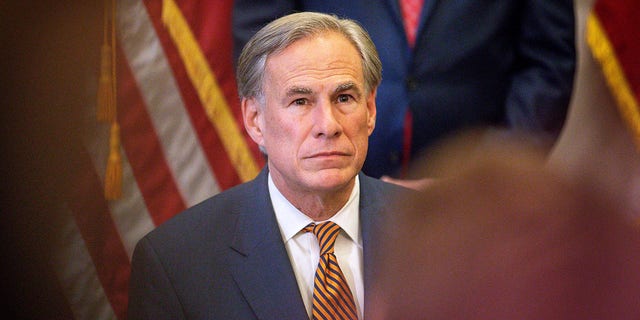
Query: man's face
x=316, y=118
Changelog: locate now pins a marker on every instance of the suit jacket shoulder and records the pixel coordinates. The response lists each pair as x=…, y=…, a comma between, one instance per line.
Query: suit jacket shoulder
x=221, y=259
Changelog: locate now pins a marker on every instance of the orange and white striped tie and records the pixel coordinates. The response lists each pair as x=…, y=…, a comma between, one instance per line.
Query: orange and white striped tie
x=332, y=298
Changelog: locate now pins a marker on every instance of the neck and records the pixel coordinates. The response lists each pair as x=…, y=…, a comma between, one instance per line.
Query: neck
x=319, y=206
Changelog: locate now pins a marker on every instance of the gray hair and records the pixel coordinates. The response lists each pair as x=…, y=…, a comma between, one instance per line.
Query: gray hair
x=281, y=33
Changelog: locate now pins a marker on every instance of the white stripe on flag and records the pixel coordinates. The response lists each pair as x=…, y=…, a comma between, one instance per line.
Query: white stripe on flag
x=78, y=276
x=129, y=213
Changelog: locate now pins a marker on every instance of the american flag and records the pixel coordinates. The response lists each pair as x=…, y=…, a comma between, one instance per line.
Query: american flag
x=181, y=141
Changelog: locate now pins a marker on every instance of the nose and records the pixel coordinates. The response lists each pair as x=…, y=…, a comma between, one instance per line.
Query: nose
x=326, y=124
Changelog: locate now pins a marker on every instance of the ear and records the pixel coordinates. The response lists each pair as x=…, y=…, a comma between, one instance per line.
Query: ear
x=253, y=119
x=371, y=108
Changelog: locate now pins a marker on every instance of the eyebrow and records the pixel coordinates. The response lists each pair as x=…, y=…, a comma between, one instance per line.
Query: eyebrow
x=294, y=91
x=346, y=87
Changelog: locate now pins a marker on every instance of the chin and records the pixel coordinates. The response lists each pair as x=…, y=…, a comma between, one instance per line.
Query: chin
x=330, y=179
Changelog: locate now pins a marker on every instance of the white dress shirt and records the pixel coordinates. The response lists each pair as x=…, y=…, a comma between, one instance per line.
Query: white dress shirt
x=304, y=251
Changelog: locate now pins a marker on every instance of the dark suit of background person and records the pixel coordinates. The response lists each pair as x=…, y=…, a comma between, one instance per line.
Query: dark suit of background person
x=477, y=62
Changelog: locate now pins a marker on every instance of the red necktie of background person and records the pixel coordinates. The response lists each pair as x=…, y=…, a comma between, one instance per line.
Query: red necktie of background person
x=332, y=298
x=411, y=10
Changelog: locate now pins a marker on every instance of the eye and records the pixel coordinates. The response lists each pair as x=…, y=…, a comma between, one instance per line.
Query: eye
x=299, y=102
x=343, y=98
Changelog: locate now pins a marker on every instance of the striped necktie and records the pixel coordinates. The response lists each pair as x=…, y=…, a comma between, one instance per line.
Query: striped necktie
x=332, y=298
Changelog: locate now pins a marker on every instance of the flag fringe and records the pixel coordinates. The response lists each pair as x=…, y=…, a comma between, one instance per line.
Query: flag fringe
x=106, y=100
x=113, y=175
x=604, y=53
x=209, y=92
x=107, y=103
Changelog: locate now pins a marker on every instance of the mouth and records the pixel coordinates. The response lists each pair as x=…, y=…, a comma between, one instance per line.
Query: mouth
x=328, y=154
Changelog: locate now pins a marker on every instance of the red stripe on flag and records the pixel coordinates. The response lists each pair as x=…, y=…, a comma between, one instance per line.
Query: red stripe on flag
x=211, y=22
x=219, y=160
x=144, y=151
x=211, y=25
x=621, y=28
x=101, y=238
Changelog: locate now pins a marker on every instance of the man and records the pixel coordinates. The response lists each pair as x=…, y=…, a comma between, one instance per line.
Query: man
x=308, y=84
x=508, y=64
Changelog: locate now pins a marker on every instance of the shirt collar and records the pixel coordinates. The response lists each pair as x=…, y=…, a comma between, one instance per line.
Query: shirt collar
x=291, y=220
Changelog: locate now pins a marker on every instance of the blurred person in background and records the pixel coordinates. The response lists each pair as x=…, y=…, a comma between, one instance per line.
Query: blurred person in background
x=508, y=233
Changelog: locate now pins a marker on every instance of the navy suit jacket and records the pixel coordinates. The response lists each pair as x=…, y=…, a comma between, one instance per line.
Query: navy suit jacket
x=225, y=258
x=504, y=63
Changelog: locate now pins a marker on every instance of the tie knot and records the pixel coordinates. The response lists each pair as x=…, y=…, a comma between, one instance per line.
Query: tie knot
x=327, y=233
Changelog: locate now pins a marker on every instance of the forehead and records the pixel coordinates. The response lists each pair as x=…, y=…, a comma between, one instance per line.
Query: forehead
x=328, y=55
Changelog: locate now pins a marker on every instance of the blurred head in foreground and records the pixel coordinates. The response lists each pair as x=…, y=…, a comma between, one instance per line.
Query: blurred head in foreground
x=501, y=237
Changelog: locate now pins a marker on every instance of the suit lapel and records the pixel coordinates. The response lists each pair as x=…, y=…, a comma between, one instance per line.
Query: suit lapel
x=260, y=264
x=394, y=7
x=427, y=10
